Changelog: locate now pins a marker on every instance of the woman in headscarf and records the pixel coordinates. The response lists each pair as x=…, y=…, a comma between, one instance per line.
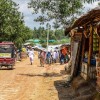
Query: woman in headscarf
x=42, y=58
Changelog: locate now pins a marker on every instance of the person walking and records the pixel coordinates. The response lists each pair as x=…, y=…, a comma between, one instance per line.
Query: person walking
x=31, y=54
x=62, y=57
x=42, y=58
x=48, y=57
x=54, y=56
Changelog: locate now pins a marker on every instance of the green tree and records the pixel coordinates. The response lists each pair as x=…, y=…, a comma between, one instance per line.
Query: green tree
x=60, y=10
x=12, y=27
x=63, y=11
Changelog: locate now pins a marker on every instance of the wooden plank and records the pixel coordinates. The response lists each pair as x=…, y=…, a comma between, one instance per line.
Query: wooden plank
x=90, y=45
x=74, y=54
x=83, y=47
x=90, y=48
x=99, y=46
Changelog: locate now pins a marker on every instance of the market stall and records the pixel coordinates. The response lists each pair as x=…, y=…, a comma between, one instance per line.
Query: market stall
x=85, y=45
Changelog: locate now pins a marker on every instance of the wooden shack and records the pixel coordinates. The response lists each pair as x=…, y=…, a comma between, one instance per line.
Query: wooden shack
x=85, y=45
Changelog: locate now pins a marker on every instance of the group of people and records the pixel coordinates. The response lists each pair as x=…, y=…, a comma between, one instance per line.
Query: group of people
x=49, y=57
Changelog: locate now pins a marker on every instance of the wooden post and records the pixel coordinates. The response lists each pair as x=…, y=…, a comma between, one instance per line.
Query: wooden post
x=83, y=47
x=90, y=49
x=99, y=46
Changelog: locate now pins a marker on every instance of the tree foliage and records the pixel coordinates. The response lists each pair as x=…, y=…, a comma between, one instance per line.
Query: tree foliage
x=56, y=35
x=12, y=27
x=41, y=34
x=60, y=10
x=63, y=11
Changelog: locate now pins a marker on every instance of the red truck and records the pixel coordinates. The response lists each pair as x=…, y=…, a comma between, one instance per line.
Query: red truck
x=7, y=55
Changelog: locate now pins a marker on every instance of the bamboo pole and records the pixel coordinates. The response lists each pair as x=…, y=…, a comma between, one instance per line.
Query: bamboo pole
x=90, y=50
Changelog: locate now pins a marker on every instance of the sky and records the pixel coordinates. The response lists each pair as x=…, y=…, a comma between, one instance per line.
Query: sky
x=29, y=17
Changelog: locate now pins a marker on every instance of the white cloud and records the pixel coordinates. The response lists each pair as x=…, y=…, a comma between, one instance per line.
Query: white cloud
x=20, y=1
x=28, y=17
x=23, y=6
x=90, y=6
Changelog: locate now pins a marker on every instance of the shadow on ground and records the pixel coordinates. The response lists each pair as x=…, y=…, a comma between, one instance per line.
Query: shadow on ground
x=53, y=74
x=79, y=90
x=64, y=93
x=10, y=69
x=63, y=72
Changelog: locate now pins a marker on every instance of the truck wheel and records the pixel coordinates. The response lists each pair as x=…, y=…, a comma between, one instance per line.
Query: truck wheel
x=10, y=67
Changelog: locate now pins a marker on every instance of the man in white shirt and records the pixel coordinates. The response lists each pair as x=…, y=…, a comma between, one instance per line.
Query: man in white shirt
x=31, y=54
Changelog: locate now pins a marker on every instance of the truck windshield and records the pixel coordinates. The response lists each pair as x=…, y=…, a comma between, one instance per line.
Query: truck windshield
x=5, y=51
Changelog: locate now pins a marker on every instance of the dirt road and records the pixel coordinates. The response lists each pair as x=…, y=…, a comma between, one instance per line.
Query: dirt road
x=30, y=82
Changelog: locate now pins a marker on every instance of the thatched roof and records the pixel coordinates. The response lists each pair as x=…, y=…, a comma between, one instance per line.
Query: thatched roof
x=92, y=16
